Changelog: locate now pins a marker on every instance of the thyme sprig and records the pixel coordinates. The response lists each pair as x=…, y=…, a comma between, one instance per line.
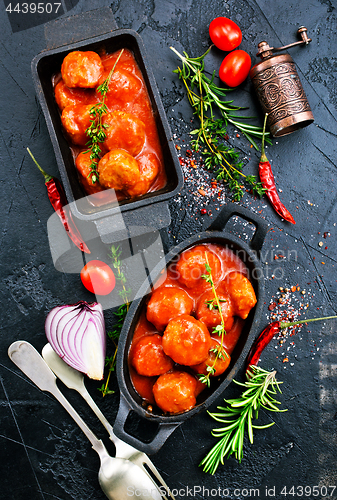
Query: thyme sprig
x=205, y=97
x=219, y=329
x=212, y=304
x=96, y=130
x=115, y=253
x=260, y=388
x=120, y=315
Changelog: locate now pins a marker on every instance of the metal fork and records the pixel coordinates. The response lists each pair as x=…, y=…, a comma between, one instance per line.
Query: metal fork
x=115, y=475
x=73, y=379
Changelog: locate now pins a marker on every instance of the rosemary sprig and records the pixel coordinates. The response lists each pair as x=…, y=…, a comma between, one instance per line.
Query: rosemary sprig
x=219, y=329
x=204, y=96
x=120, y=315
x=260, y=388
x=96, y=130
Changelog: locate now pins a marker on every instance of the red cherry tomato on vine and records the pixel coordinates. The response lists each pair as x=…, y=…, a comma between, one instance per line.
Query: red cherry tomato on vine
x=98, y=278
x=235, y=68
x=225, y=34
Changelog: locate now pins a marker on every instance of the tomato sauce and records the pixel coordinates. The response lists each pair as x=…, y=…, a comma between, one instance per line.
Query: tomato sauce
x=229, y=262
x=127, y=93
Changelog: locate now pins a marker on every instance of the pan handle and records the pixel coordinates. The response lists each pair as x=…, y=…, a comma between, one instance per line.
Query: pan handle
x=79, y=27
x=150, y=447
x=231, y=210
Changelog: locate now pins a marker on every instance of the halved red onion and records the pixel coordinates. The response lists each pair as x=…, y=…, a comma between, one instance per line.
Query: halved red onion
x=77, y=334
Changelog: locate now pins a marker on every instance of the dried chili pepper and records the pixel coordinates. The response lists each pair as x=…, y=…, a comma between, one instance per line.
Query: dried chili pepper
x=268, y=182
x=261, y=342
x=59, y=202
x=269, y=333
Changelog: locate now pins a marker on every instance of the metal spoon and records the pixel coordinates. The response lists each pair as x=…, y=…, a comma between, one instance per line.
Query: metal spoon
x=118, y=478
x=73, y=379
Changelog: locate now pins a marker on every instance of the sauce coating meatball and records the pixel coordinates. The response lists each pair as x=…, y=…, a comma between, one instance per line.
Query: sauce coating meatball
x=65, y=96
x=220, y=364
x=123, y=87
x=118, y=170
x=186, y=340
x=82, y=69
x=165, y=304
x=241, y=292
x=208, y=313
x=149, y=358
x=76, y=120
x=125, y=113
x=174, y=392
x=191, y=267
x=83, y=163
x=149, y=168
x=124, y=131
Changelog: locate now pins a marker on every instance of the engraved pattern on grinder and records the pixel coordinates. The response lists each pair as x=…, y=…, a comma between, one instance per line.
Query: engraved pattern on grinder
x=280, y=92
x=291, y=88
x=282, y=68
x=270, y=94
x=279, y=88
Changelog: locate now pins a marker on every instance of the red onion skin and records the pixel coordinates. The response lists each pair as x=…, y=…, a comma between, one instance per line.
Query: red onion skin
x=70, y=345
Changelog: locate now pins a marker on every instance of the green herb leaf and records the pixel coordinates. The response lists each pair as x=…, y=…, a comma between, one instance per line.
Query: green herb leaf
x=120, y=314
x=206, y=98
x=238, y=415
x=96, y=129
x=219, y=329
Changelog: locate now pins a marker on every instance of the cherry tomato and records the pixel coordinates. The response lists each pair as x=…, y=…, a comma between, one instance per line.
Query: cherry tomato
x=235, y=68
x=98, y=278
x=225, y=34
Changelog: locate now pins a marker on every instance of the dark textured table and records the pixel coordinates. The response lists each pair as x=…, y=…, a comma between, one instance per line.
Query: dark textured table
x=43, y=455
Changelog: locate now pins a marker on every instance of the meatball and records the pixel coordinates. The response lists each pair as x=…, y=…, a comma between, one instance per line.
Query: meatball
x=174, y=392
x=191, y=267
x=149, y=168
x=125, y=60
x=165, y=304
x=83, y=163
x=220, y=364
x=149, y=358
x=76, y=120
x=186, y=340
x=123, y=87
x=241, y=292
x=118, y=170
x=142, y=109
x=82, y=69
x=124, y=131
x=208, y=313
x=65, y=96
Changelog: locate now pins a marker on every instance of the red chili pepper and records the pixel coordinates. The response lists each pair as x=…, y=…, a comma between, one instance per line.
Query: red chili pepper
x=59, y=202
x=261, y=342
x=269, y=333
x=268, y=182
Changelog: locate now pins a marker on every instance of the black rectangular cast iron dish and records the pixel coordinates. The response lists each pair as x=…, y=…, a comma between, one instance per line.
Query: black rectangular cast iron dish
x=130, y=401
x=45, y=65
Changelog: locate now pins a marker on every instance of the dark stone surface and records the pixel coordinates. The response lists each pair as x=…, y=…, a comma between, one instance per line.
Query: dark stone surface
x=43, y=455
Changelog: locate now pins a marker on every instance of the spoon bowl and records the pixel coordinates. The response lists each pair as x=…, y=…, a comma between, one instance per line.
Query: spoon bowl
x=73, y=379
x=119, y=478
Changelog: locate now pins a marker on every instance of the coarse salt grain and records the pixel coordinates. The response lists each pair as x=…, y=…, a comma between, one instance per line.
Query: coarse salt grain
x=288, y=310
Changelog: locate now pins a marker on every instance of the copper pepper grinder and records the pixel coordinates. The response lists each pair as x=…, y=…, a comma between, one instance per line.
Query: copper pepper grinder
x=279, y=89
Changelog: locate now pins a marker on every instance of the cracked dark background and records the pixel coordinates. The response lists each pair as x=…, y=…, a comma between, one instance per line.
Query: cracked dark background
x=43, y=455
